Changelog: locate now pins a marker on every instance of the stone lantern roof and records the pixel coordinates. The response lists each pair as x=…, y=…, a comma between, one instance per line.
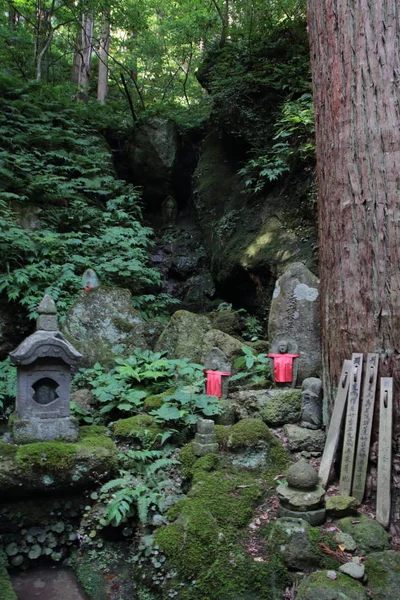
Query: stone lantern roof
x=47, y=341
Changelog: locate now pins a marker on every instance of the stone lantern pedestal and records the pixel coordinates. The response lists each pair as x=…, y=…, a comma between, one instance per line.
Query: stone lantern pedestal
x=44, y=361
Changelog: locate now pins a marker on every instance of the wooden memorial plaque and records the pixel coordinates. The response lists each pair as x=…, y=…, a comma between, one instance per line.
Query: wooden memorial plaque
x=332, y=438
x=367, y=415
x=385, y=452
x=350, y=434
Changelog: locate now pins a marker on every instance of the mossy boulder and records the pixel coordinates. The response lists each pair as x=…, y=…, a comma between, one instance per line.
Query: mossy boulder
x=137, y=428
x=6, y=589
x=369, y=535
x=183, y=336
x=319, y=586
x=229, y=345
x=290, y=539
x=341, y=506
x=156, y=401
x=102, y=324
x=203, y=541
x=56, y=465
x=281, y=407
x=249, y=433
x=228, y=321
x=300, y=438
x=383, y=572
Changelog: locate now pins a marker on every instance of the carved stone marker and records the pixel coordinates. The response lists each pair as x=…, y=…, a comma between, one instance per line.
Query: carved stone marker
x=295, y=312
x=169, y=210
x=44, y=362
x=301, y=497
x=384, y=452
x=349, y=443
x=311, y=403
x=332, y=439
x=367, y=415
x=205, y=441
x=284, y=359
x=216, y=360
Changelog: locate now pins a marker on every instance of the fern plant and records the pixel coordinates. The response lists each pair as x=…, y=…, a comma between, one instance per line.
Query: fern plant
x=139, y=490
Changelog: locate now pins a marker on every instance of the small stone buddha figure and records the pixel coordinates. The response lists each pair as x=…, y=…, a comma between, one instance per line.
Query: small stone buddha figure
x=283, y=360
x=169, y=211
x=311, y=403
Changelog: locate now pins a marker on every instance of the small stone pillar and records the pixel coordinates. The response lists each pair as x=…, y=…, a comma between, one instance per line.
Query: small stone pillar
x=44, y=361
x=205, y=441
x=301, y=497
x=90, y=280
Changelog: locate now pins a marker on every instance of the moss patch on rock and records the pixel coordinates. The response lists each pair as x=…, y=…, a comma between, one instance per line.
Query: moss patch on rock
x=249, y=433
x=383, y=572
x=282, y=408
x=203, y=543
x=369, y=535
x=156, y=401
x=56, y=465
x=183, y=336
x=139, y=428
x=318, y=586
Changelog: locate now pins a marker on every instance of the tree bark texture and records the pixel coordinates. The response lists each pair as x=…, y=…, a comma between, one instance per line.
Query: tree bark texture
x=356, y=68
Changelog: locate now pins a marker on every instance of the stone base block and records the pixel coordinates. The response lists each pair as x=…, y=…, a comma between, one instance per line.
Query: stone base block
x=314, y=517
x=299, y=438
x=44, y=430
x=205, y=438
x=203, y=449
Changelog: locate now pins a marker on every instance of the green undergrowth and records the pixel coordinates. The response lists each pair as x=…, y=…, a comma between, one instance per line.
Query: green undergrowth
x=6, y=589
x=141, y=428
x=204, y=542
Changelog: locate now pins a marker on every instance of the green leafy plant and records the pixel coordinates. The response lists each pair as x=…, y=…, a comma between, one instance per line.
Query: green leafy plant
x=253, y=369
x=186, y=408
x=138, y=490
x=8, y=387
x=145, y=373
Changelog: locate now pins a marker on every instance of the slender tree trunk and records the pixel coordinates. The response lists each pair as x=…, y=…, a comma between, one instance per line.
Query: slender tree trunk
x=86, y=55
x=102, y=85
x=356, y=65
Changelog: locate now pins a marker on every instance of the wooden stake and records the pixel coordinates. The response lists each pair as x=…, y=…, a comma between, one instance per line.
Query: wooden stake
x=385, y=452
x=332, y=438
x=350, y=434
x=367, y=415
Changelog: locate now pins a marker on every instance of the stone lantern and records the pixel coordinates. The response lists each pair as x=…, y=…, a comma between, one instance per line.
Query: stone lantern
x=44, y=361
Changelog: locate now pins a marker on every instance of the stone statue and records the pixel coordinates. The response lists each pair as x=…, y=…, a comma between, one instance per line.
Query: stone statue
x=169, y=211
x=311, y=403
x=283, y=352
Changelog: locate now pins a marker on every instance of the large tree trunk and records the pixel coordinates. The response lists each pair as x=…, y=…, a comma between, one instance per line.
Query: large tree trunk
x=83, y=56
x=102, y=84
x=355, y=66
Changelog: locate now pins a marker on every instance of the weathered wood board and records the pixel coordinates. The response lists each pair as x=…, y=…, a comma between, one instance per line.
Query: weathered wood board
x=364, y=436
x=332, y=438
x=385, y=452
x=350, y=434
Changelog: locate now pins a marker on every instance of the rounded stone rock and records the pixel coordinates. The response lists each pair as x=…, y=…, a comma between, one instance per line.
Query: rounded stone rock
x=302, y=476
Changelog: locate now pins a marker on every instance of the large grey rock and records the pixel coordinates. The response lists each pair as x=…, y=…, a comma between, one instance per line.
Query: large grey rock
x=319, y=586
x=289, y=538
x=183, y=336
x=153, y=155
x=275, y=407
x=300, y=439
x=341, y=506
x=369, y=534
x=102, y=324
x=383, y=572
x=230, y=346
x=295, y=311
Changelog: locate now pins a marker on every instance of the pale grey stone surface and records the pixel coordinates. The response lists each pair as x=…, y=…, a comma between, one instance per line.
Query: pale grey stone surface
x=301, y=475
x=90, y=279
x=300, y=500
x=300, y=439
x=295, y=312
x=354, y=570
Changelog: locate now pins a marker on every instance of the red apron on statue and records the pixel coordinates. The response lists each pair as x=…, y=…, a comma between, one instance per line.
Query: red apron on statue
x=214, y=382
x=283, y=367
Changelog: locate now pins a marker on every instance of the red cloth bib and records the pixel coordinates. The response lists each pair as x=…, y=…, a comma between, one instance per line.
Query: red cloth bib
x=214, y=382
x=283, y=367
